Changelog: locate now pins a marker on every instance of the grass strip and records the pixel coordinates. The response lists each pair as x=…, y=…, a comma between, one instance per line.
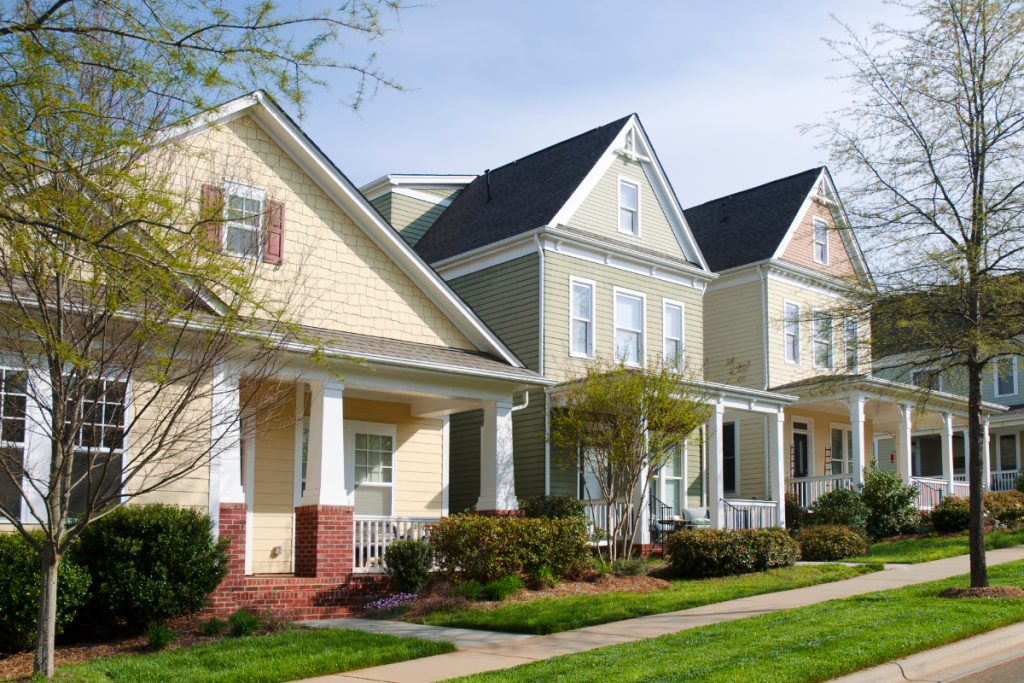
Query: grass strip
x=802, y=645
x=258, y=659
x=913, y=551
x=554, y=615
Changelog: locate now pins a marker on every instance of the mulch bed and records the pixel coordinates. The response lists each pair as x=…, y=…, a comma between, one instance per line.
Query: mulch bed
x=75, y=648
x=990, y=592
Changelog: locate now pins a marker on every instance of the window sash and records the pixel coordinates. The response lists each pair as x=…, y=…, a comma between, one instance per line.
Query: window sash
x=852, y=333
x=928, y=378
x=629, y=207
x=820, y=241
x=581, y=317
x=1007, y=452
x=13, y=407
x=823, y=341
x=792, y=333
x=243, y=224
x=673, y=335
x=102, y=417
x=375, y=459
x=1005, y=377
x=629, y=332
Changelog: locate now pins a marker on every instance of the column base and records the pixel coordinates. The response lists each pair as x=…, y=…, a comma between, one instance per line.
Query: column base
x=324, y=540
x=232, y=526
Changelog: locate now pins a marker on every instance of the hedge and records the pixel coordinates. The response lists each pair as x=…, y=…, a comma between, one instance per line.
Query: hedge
x=830, y=542
x=951, y=514
x=704, y=553
x=553, y=507
x=482, y=548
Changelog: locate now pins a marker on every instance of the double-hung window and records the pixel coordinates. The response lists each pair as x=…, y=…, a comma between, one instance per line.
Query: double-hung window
x=13, y=402
x=629, y=207
x=581, y=314
x=822, y=340
x=928, y=378
x=852, y=341
x=673, y=334
x=244, y=206
x=373, y=446
x=671, y=476
x=99, y=441
x=1005, y=376
x=629, y=327
x=820, y=241
x=791, y=333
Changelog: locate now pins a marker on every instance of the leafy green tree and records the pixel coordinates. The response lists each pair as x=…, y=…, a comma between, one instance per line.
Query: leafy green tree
x=932, y=150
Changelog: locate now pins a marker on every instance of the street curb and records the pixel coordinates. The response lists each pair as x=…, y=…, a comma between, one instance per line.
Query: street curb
x=948, y=662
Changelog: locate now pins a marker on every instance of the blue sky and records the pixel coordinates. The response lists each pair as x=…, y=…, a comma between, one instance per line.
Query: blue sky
x=720, y=87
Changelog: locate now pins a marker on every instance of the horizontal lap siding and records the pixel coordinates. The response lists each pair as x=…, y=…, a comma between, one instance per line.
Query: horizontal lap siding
x=599, y=212
x=412, y=217
x=782, y=372
x=694, y=478
x=800, y=249
x=733, y=330
x=273, y=495
x=506, y=297
x=752, y=458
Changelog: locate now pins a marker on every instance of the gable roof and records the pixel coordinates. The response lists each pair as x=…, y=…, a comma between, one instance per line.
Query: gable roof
x=523, y=195
x=748, y=226
x=315, y=164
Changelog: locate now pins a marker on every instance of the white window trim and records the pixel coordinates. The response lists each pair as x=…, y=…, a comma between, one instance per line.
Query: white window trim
x=786, y=303
x=247, y=191
x=847, y=429
x=377, y=429
x=681, y=477
x=938, y=386
x=665, y=303
x=618, y=205
x=738, y=481
x=573, y=280
x=818, y=315
x=810, y=441
x=815, y=222
x=995, y=377
x=642, y=351
x=998, y=438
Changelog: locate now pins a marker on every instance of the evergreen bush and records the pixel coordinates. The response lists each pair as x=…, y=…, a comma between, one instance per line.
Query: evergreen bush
x=951, y=514
x=830, y=542
x=553, y=507
x=409, y=563
x=891, y=503
x=696, y=554
x=840, y=507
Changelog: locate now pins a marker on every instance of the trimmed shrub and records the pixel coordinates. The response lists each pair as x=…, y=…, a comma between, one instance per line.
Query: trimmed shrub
x=244, y=623
x=19, y=588
x=696, y=554
x=951, y=514
x=1018, y=483
x=840, y=507
x=149, y=564
x=409, y=562
x=500, y=588
x=830, y=542
x=794, y=513
x=629, y=566
x=159, y=637
x=891, y=503
x=1005, y=506
x=484, y=548
x=553, y=507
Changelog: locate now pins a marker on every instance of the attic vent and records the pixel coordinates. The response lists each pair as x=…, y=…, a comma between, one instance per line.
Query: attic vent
x=725, y=208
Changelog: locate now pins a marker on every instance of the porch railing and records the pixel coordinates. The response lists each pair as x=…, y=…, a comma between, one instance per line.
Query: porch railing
x=809, y=489
x=596, y=515
x=373, y=535
x=962, y=489
x=750, y=514
x=960, y=478
x=930, y=491
x=1003, y=481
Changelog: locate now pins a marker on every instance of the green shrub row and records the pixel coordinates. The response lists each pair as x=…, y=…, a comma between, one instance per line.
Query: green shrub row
x=953, y=513
x=483, y=548
x=553, y=507
x=696, y=554
x=830, y=542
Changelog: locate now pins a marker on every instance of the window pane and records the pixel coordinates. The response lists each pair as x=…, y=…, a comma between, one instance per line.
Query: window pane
x=385, y=444
x=673, y=322
x=627, y=221
x=581, y=301
x=627, y=195
x=242, y=241
x=580, y=337
x=373, y=442
x=673, y=351
x=628, y=312
x=361, y=441
x=837, y=451
x=627, y=346
x=1007, y=452
x=1005, y=374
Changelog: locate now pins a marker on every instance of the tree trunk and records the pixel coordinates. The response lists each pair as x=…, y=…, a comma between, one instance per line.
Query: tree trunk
x=46, y=625
x=979, y=568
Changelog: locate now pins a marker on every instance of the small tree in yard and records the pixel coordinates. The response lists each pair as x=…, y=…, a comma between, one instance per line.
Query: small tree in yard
x=118, y=309
x=617, y=425
x=933, y=150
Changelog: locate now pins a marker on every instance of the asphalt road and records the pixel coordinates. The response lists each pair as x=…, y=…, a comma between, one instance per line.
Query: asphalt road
x=1007, y=672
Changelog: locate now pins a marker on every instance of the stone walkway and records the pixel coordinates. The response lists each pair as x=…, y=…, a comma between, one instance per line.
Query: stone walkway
x=515, y=650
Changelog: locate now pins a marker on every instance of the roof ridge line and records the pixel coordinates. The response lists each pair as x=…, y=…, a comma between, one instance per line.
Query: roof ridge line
x=562, y=142
x=756, y=187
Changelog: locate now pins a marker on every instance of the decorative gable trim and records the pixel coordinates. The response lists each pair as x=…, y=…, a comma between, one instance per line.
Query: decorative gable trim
x=642, y=152
x=314, y=163
x=403, y=184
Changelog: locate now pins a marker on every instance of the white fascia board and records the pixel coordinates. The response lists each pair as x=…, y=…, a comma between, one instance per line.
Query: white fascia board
x=736, y=276
x=487, y=256
x=732, y=396
x=804, y=208
x=847, y=234
x=317, y=166
x=655, y=176
x=805, y=278
x=390, y=182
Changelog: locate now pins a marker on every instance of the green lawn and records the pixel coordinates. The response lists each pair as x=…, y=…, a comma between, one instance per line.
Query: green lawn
x=802, y=645
x=258, y=659
x=553, y=615
x=935, y=547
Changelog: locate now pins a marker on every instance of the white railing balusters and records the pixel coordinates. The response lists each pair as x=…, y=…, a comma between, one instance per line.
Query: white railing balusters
x=930, y=491
x=751, y=514
x=1003, y=481
x=809, y=489
x=372, y=536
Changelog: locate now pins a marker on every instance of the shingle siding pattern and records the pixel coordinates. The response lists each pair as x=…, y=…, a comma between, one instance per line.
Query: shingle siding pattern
x=524, y=195
x=748, y=226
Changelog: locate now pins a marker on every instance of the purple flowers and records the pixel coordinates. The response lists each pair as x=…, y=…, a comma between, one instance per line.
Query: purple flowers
x=390, y=602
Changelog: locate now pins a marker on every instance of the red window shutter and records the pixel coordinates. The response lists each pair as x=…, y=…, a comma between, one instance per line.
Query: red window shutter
x=273, y=246
x=212, y=214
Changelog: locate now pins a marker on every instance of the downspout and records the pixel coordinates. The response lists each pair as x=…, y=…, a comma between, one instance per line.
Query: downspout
x=540, y=362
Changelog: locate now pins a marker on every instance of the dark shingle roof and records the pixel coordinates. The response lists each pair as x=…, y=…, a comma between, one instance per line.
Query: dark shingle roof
x=525, y=195
x=747, y=227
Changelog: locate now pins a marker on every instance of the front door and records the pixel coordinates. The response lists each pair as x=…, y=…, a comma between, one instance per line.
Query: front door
x=800, y=459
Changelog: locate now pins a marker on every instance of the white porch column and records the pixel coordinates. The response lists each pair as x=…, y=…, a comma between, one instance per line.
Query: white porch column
x=777, y=462
x=225, y=443
x=497, y=471
x=947, y=450
x=856, y=404
x=904, y=436
x=327, y=480
x=716, y=456
x=986, y=456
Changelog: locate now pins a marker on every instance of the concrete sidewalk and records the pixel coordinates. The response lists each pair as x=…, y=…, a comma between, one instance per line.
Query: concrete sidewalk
x=533, y=648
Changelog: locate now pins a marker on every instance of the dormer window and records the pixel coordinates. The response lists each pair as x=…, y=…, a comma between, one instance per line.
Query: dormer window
x=820, y=242
x=243, y=219
x=629, y=207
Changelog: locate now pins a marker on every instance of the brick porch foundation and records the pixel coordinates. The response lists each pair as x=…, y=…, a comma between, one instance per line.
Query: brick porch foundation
x=323, y=585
